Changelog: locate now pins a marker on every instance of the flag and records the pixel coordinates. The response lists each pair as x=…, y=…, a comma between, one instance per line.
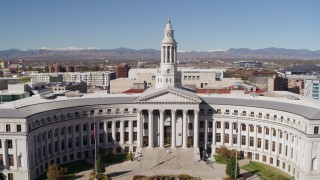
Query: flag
x=94, y=131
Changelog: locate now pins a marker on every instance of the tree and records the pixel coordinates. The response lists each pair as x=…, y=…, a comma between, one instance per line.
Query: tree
x=231, y=166
x=55, y=172
x=99, y=165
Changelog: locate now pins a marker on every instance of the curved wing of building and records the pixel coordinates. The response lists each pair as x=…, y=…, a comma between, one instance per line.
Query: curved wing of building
x=279, y=131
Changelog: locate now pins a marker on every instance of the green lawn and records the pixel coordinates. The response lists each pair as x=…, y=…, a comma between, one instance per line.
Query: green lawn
x=265, y=171
x=71, y=168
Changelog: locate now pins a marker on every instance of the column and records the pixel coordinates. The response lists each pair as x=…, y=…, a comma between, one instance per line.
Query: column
x=170, y=50
x=150, y=128
x=166, y=53
x=205, y=134
x=222, y=132
x=5, y=153
x=230, y=133
x=263, y=138
x=248, y=136
x=162, y=56
x=15, y=158
x=130, y=132
x=270, y=140
x=173, y=126
x=80, y=136
x=238, y=134
x=289, y=146
x=121, y=132
x=255, y=140
x=184, y=129
x=213, y=133
x=161, y=128
x=97, y=133
x=196, y=129
x=74, y=137
x=105, y=129
x=139, y=128
x=175, y=54
x=113, y=129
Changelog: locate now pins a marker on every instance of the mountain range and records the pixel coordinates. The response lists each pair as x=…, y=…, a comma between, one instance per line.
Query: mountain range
x=125, y=53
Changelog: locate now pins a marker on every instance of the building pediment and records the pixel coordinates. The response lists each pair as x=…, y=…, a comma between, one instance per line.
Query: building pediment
x=168, y=95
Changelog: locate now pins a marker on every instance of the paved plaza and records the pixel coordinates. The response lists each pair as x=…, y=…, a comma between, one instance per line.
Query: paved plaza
x=156, y=161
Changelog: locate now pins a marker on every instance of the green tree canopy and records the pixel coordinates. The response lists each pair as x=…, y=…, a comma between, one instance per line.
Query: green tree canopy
x=99, y=165
x=231, y=166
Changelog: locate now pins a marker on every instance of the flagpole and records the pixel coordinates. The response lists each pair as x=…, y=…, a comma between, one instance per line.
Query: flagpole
x=95, y=147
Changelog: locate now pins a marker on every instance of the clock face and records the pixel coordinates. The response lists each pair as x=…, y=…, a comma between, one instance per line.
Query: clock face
x=169, y=34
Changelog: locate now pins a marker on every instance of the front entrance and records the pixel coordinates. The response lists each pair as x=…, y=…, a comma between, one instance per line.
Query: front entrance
x=167, y=136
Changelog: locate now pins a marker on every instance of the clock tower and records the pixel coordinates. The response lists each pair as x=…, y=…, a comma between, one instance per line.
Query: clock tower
x=167, y=74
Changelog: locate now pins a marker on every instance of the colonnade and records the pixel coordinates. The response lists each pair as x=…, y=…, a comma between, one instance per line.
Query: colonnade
x=161, y=132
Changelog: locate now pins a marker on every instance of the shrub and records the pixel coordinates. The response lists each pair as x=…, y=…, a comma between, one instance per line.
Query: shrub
x=231, y=167
x=55, y=172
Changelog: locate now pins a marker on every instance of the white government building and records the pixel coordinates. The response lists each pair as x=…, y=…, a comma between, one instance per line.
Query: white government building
x=281, y=131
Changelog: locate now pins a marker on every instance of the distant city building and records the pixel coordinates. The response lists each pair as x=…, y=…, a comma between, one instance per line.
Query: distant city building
x=121, y=70
x=303, y=69
x=56, y=68
x=64, y=87
x=311, y=88
x=246, y=65
x=277, y=82
x=94, y=78
x=296, y=82
x=193, y=78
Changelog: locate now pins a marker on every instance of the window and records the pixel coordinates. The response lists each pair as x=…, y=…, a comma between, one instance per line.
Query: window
x=316, y=130
x=134, y=123
x=210, y=124
x=101, y=125
x=267, y=131
x=126, y=124
x=273, y=146
x=259, y=142
x=117, y=136
x=218, y=124
x=109, y=137
x=8, y=128
x=226, y=125
x=11, y=162
x=218, y=137
x=126, y=136
x=201, y=125
x=251, y=141
x=109, y=124
x=259, y=129
x=190, y=126
x=9, y=144
x=118, y=124
x=243, y=127
x=243, y=140
x=18, y=128
x=135, y=136
x=145, y=125
x=251, y=128
x=84, y=127
x=266, y=144
x=210, y=137
x=280, y=148
x=77, y=128
x=234, y=139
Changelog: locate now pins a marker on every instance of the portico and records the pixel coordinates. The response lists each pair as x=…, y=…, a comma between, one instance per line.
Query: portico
x=168, y=128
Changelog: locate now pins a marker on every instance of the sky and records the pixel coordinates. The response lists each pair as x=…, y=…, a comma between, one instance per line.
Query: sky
x=139, y=24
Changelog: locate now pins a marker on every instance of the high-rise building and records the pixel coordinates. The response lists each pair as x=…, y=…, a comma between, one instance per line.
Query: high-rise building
x=121, y=70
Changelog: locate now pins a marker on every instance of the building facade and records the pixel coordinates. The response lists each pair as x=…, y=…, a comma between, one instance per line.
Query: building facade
x=311, y=88
x=281, y=132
